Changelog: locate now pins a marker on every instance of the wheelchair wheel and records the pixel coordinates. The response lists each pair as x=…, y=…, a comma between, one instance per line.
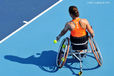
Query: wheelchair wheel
x=63, y=52
x=96, y=51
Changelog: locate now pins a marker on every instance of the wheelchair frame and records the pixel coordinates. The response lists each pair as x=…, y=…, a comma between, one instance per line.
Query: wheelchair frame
x=68, y=51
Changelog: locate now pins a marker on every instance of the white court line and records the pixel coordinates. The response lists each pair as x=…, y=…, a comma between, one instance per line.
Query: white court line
x=25, y=22
x=30, y=21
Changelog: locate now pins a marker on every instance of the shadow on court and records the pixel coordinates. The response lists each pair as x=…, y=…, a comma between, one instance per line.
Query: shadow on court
x=47, y=61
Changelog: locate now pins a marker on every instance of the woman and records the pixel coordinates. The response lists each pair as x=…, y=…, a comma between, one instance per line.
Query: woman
x=77, y=27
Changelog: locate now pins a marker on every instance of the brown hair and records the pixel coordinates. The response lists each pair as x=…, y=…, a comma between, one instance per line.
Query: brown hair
x=74, y=11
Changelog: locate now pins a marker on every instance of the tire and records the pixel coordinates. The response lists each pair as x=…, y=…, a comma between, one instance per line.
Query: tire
x=63, y=52
x=96, y=51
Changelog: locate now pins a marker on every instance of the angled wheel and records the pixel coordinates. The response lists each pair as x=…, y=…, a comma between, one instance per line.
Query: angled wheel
x=63, y=52
x=96, y=51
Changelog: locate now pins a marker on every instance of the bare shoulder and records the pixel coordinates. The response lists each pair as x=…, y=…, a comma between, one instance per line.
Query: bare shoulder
x=69, y=25
x=85, y=21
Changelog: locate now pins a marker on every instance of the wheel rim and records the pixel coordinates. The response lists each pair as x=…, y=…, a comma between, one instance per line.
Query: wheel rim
x=96, y=51
x=62, y=59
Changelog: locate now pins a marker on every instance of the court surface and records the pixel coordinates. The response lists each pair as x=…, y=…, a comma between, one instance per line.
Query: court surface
x=30, y=51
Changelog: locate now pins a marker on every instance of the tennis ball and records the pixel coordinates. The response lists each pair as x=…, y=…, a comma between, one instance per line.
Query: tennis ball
x=55, y=41
x=64, y=46
x=63, y=59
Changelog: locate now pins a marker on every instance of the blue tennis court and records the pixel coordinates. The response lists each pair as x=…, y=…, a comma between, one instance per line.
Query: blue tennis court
x=28, y=28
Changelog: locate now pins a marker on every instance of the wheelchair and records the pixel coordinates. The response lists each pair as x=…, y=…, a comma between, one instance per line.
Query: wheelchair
x=65, y=50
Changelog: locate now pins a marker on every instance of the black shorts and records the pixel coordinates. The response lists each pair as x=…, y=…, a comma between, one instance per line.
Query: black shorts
x=79, y=40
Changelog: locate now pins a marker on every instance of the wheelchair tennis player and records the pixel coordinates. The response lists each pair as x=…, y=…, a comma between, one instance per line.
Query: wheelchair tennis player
x=78, y=28
x=79, y=38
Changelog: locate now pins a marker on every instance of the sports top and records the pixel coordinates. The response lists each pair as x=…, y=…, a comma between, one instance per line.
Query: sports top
x=78, y=31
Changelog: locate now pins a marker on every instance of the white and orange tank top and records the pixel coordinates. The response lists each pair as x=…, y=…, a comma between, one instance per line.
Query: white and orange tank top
x=78, y=31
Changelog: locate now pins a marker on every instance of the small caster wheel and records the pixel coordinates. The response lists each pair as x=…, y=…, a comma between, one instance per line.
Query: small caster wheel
x=80, y=73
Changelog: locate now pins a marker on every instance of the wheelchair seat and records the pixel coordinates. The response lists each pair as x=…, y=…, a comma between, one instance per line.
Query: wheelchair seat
x=79, y=46
x=79, y=43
